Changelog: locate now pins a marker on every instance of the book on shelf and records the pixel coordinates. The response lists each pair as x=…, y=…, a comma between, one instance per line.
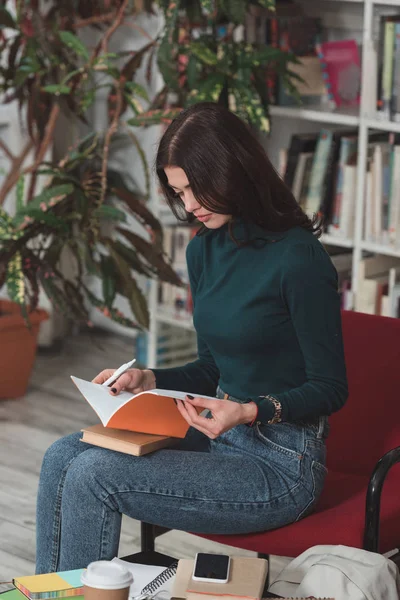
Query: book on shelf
x=382, y=194
x=177, y=300
x=153, y=411
x=388, y=60
x=341, y=66
x=300, y=143
x=348, y=150
x=377, y=290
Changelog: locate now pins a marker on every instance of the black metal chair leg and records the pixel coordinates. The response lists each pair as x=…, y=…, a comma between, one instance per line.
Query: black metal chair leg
x=147, y=537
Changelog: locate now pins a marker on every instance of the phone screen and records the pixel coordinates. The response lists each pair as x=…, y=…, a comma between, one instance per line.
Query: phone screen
x=211, y=566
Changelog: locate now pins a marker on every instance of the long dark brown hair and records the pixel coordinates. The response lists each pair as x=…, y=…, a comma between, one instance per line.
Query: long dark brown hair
x=228, y=171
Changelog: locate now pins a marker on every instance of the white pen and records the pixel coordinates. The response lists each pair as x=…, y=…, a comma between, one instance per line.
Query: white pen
x=119, y=372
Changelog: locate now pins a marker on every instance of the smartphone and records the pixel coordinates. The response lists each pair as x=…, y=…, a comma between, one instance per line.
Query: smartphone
x=211, y=567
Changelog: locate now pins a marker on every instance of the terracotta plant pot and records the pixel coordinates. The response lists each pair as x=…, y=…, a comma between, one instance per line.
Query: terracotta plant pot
x=17, y=348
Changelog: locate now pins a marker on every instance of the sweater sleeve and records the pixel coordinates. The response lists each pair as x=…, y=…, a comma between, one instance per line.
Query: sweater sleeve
x=309, y=289
x=202, y=375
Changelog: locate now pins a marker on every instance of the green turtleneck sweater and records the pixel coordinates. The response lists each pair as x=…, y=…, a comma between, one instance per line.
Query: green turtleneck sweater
x=267, y=317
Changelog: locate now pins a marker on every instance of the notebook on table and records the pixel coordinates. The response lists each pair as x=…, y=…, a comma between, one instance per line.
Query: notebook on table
x=65, y=584
x=246, y=581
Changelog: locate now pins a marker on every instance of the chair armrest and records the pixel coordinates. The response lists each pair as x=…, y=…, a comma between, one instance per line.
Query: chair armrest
x=373, y=500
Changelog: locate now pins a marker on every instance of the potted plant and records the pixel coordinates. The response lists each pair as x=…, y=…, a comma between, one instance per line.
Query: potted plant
x=82, y=208
x=18, y=348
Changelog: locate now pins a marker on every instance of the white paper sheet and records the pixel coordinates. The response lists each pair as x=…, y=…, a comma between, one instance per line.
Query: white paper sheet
x=142, y=575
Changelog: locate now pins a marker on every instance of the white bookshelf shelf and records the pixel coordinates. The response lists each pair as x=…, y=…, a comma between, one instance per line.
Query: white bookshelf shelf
x=318, y=114
x=380, y=249
x=332, y=240
x=383, y=125
x=386, y=2
x=164, y=316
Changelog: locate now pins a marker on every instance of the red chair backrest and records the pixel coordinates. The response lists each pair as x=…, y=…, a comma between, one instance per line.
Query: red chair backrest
x=369, y=423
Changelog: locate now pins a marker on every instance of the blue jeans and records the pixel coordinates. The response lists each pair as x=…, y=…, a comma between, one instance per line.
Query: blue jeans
x=247, y=480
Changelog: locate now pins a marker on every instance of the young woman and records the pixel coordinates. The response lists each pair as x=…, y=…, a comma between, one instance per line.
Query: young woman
x=267, y=316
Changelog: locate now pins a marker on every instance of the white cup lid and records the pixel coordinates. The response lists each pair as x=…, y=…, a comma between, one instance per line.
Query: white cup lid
x=106, y=575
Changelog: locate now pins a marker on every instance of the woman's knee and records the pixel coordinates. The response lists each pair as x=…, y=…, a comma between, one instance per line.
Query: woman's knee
x=87, y=476
x=60, y=453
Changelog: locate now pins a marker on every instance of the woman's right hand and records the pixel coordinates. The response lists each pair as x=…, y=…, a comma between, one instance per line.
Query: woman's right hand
x=133, y=381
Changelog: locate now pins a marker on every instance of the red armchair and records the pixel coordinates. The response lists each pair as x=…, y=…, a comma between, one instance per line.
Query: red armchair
x=360, y=504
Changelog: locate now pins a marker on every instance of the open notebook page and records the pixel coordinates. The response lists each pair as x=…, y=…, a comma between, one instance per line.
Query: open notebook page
x=106, y=405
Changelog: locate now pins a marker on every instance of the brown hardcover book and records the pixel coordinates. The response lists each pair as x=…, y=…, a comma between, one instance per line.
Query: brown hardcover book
x=246, y=581
x=128, y=442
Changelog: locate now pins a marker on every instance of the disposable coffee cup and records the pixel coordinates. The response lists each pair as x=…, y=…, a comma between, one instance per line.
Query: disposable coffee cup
x=104, y=580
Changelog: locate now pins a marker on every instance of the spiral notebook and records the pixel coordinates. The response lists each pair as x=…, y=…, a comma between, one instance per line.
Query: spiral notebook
x=149, y=579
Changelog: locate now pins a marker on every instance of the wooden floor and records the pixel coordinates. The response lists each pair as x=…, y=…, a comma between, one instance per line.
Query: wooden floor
x=52, y=408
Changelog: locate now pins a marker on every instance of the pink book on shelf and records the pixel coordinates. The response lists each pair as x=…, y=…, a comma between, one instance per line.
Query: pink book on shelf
x=341, y=71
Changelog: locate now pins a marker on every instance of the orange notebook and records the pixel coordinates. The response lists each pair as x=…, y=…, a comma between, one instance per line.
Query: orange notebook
x=154, y=411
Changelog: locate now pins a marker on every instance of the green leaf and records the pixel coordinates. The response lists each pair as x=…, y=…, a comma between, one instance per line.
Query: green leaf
x=49, y=197
x=112, y=313
x=47, y=218
x=270, y=4
x=108, y=280
x=57, y=89
x=105, y=211
x=52, y=290
x=88, y=100
x=144, y=162
x=154, y=117
x=209, y=90
x=131, y=257
x=192, y=71
x=6, y=20
x=74, y=43
x=204, y=53
x=207, y=5
x=131, y=290
x=5, y=218
x=137, y=89
x=71, y=75
x=134, y=104
x=15, y=279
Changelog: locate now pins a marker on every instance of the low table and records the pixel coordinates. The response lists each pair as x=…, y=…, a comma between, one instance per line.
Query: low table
x=163, y=560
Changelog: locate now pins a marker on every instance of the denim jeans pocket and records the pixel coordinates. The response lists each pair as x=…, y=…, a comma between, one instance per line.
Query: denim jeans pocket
x=283, y=448
x=282, y=438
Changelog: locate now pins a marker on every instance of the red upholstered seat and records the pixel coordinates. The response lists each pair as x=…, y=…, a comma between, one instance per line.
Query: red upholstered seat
x=339, y=519
x=361, y=433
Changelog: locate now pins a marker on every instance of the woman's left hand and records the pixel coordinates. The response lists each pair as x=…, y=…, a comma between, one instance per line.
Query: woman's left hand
x=225, y=414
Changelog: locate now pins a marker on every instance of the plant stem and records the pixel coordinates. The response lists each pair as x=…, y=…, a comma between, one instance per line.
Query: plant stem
x=7, y=151
x=13, y=175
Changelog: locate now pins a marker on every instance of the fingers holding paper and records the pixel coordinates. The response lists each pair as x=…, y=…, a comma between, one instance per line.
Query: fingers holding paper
x=225, y=414
x=133, y=380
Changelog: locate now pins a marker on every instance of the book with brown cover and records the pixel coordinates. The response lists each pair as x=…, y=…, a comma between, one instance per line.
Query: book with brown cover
x=246, y=581
x=128, y=442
